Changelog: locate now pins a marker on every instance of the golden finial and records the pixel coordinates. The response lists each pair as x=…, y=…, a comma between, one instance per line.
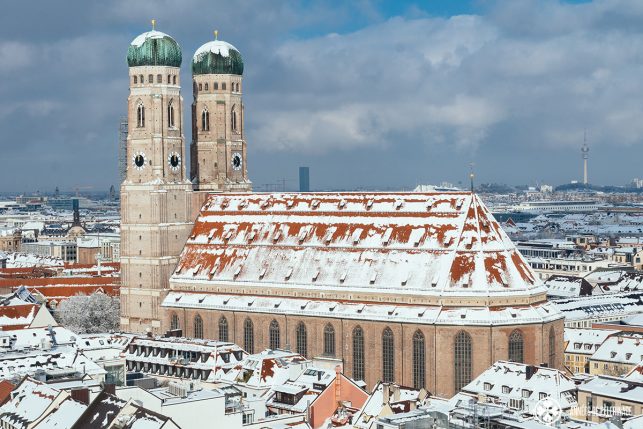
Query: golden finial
x=216, y=34
x=153, y=24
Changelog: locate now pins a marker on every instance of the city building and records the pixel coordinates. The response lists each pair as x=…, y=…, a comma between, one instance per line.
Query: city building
x=65, y=250
x=617, y=355
x=370, y=272
x=580, y=345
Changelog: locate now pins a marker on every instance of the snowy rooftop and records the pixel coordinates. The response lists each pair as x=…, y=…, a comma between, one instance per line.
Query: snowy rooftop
x=585, y=341
x=142, y=38
x=216, y=47
x=430, y=244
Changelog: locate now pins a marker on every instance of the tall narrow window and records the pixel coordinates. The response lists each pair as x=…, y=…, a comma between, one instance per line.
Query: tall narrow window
x=233, y=119
x=159, y=78
x=150, y=78
x=462, y=360
x=223, y=86
x=552, y=348
x=516, y=347
x=388, y=356
x=223, y=329
x=419, y=360
x=200, y=87
x=329, y=340
x=238, y=87
x=198, y=327
x=274, y=334
x=205, y=120
x=174, y=322
x=140, y=116
x=358, y=353
x=169, y=79
x=140, y=79
x=170, y=114
x=302, y=339
x=135, y=80
x=215, y=86
x=249, y=336
x=206, y=86
x=174, y=80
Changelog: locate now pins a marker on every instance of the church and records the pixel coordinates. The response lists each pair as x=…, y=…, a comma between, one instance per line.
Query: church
x=423, y=289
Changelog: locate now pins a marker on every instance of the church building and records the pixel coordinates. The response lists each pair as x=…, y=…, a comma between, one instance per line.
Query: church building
x=422, y=289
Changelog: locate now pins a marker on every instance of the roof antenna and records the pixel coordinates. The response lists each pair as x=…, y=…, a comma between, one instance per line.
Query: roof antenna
x=471, y=175
x=153, y=24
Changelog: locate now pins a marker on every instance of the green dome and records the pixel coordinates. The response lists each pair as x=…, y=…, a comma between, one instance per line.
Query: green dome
x=154, y=49
x=217, y=57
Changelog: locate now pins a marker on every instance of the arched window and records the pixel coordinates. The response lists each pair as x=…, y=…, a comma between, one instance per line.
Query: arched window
x=200, y=87
x=174, y=322
x=516, y=347
x=205, y=120
x=273, y=331
x=249, y=336
x=223, y=86
x=206, y=86
x=358, y=353
x=223, y=329
x=233, y=119
x=170, y=114
x=140, y=79
x=150, y=78
x=174, y=80
x=135, y=80
x=419, y=360
x=238, y=87
x=159, y=78
x=302, y=339
x=140, y=115
x=215, y=86
x=198, y=327
x=552, y=348
x=388, y=358
x=462, y=360
x=329, y=340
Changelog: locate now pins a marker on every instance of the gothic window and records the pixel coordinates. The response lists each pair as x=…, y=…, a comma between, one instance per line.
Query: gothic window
x=205, y=120
x=135, y=80
x=216, y=86
x=170, y=114
x=273, y=332
x=249, y=336
x=200, y=87
x=140, y=79
x=237, y=87
x=169, y=79
x=358, y=353
x=174, y=80
x=302, y=339
x=223, y=329
x=206, y=86
x=419, y=360
x=174, y=322
x=516, y=347
x=462, y=360
x=223, y=86
x=552, y=347
x=140, y=116
x=329, y=340
x=233, y=119
x=150, y=78
x=198, y=327
x=159, y=78
x=388, y=350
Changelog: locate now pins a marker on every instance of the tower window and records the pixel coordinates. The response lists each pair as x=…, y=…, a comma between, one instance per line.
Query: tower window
x=170, y=114
x=233, y=119
x=159, y=78
x=135, y=80
x=205, y=120
x=174, y=80
x=216, y=86
x=140, y=78
x=200, y=87
x=238, y=87
x=223, y=86
x=150, y=78
x=140, y=116
x=206, y=86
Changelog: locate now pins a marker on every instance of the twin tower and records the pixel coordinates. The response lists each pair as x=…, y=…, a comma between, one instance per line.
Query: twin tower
x=158, y=201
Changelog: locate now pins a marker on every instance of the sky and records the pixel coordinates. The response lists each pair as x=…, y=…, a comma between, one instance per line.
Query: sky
x=368, y=94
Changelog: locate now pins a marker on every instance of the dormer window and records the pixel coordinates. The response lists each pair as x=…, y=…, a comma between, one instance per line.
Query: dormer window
x=526, y=393
x=488, y=386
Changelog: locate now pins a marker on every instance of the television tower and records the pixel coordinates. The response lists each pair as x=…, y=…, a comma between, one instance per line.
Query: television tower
x=585, y=151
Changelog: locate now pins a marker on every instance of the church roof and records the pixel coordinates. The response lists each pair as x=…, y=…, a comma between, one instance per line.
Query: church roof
x=427, y=244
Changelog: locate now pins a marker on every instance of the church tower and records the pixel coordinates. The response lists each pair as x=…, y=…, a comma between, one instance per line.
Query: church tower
x=155, y=195
x=218, y=149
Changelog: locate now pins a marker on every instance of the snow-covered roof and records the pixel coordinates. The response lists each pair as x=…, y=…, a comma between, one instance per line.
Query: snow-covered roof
x=614, y=387
x=29, y=401
x=590, y=307
x=585, y=341
x=408, y=245
x=621, y=348
x=216, y=47
x=142, y=38
x=63, y=416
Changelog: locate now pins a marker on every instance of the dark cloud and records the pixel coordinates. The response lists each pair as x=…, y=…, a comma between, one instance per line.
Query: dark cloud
x=364, y=99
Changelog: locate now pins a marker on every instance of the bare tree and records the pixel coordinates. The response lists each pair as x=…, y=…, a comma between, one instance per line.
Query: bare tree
x=91, y=314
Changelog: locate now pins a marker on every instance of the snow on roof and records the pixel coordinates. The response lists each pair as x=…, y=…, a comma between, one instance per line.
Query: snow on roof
x=585, y=341
x=216, y=47
x=614, y=387
x=621, y=348
x=17, y=315
x=101, y=412
x=511, y=380
x=567, y=286
x=613, y=305
x=142, y=38
x=29, y=401
x=429, y=244
x=64, y=416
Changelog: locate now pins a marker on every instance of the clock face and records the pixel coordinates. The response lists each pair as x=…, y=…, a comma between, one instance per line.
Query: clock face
x=139, y=160
x=237, y=161
x=174, y=161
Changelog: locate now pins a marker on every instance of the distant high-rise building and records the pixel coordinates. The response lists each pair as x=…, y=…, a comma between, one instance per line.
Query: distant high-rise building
x=304, y=179
x=585, y=151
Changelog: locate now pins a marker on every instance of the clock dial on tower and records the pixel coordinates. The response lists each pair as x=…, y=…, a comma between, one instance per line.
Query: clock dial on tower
x=139, y=161
x=174, y=161
x=237, y=161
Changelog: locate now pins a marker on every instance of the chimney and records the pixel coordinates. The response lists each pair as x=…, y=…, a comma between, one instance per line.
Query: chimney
x=80, y=395
x=319, y=374
x=110, y=388
x=385, y=393
x=531, y=370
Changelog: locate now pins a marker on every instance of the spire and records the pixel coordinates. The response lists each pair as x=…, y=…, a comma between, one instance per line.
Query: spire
x=471, y=175
x=153, y=24
x=216, y=34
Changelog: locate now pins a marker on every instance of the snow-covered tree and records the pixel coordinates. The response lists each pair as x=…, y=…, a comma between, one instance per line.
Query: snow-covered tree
x=85, y=314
